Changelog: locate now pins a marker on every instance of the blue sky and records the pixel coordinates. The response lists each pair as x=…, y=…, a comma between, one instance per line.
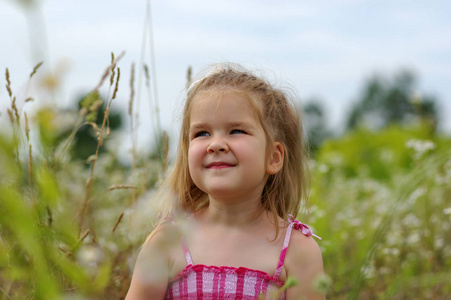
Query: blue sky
x=324, y=49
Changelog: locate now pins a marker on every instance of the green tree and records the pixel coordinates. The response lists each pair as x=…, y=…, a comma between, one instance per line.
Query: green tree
x=315, y=124
x=384, y=101
x=85, y=142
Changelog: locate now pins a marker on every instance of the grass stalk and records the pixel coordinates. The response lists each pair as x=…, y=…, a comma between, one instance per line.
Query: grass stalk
x=30, y=156
x=94, y=160
x=100, y=132
x=132, y=127
x=117, y=222
x=13, y=114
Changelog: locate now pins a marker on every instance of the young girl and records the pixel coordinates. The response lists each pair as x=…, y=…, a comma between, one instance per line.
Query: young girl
x=239, y=178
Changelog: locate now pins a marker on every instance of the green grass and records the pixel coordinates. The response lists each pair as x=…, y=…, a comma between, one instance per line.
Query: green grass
x=381, y=201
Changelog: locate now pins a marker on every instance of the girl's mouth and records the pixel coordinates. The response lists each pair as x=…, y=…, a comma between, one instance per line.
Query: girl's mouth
x=219, y=165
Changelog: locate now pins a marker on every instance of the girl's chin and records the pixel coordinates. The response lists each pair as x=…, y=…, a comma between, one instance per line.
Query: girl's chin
x=221, y=192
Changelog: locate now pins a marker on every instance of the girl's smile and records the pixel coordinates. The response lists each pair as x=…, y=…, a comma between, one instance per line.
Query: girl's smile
x=219, y=165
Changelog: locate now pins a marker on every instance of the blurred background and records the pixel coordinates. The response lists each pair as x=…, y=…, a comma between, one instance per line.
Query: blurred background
x=329, y=52
x=88, y=135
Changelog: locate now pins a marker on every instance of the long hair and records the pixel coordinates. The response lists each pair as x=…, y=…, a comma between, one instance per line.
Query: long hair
x=283, y=191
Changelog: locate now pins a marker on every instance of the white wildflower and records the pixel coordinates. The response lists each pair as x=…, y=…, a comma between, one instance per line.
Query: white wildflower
x=89, y=256
x=323, y=168
x=448, y=171
x=420, y=147
x=355, y=222
x=417, y=193
x=440, y=180
x=410, y=220
x=368, y=271
x=393, y=238
x=390, y=251
x=413, y=238
x=439, y=243
x=447, y=211
x=447, y=251
x=369, y=185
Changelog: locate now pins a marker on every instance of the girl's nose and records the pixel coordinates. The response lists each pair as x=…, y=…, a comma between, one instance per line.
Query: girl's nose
x=217, y=146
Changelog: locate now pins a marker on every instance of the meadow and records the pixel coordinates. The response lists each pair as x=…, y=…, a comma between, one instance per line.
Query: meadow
x=71, y=228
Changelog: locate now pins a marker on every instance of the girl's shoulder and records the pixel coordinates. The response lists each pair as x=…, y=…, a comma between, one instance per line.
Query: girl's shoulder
x=303, y=246
x=304, y=262
x=152, y=266
x=164, y=234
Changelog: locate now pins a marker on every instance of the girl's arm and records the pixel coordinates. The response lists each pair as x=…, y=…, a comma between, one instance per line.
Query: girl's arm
x=150, y=277
x=304, y=262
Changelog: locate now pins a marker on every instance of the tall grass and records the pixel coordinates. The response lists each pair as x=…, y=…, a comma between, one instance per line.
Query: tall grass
x=53, y=240
x=67, y=230
x=385, y=237
x=380, y=201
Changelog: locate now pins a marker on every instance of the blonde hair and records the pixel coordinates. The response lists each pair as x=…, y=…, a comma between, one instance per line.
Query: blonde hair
x=280, y=120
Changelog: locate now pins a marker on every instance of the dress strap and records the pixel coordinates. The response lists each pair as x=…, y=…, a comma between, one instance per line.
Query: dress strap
x=189, y=261
x=296, y=225
x=184, y=245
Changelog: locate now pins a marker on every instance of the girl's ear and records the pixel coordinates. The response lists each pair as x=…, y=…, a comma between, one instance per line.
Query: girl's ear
x=275, y=159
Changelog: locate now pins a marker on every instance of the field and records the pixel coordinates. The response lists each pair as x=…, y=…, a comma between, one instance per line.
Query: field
x=70, y=228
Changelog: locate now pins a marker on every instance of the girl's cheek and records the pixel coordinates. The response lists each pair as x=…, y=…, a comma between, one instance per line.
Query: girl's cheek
x=195, y=151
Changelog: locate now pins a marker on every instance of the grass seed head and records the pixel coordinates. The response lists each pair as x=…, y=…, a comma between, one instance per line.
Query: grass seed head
x=118, y=221
x=113, y=65
x=146, y=73
x=11, y=116
x=96, y=105
x=117, y=83
x=113, y=73
x=189, y=75
x=16, y=111
x=8, y=83
x=91, y=116
x=36, y=68
x=27, y=128
x=132, y=90
x=90, y=99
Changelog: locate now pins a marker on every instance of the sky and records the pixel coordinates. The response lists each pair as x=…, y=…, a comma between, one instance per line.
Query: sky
x=325, y=50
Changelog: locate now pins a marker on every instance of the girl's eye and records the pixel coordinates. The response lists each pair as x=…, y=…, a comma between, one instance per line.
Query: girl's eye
x=201, y=133
x=237, y=131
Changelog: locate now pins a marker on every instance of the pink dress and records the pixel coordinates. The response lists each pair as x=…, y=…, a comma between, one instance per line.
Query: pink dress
x=212, y=282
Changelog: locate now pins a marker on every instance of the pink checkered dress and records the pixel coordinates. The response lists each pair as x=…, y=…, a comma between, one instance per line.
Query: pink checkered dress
x=211, y=282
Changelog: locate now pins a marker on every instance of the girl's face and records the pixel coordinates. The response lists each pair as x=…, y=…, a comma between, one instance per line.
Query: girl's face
x=227, y=144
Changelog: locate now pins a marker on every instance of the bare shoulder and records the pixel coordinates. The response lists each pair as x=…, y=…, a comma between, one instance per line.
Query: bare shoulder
x=303, y=247
x=164, y=235
x=150, y=276
x=303, y=262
